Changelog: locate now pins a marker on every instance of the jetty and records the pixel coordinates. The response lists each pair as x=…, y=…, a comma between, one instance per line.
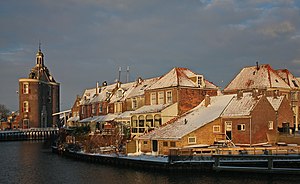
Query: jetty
x=29, y=134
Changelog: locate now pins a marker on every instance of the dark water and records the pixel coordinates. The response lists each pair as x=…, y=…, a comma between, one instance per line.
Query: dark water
x=33, y=163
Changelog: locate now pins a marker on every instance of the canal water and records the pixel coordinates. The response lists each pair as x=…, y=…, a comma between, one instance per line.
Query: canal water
x=34, y=163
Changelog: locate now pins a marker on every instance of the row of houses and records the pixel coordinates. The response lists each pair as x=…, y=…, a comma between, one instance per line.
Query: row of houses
x=184, y=109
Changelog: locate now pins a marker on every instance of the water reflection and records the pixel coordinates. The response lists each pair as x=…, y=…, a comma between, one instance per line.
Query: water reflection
x=31, y=163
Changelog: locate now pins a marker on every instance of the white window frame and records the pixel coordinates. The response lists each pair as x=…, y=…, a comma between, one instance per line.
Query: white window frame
x=190, y=140
x=228, y=125
x=25, y=106
x=25, y=88
x=243, y=127
x=271, y=125
x=169, y=97
x=118, y=107
x=93, y=108
x=82, y=110
x=100, y=108
x=218, y=127
x=161, y=98
x=134, y=103
x=153, y=98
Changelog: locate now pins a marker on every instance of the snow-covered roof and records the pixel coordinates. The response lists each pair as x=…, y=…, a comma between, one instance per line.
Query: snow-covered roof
x=102, y=95
x=87, y=96
x=275, y=102
x=260, y=77
x=124, y=89
x=74, y=118
x=192, y=120
x=108, y=117
x=289, y=78
x=141, y=86
x=176, y=77
x=241, y=106
x=124, y=115
x=150, y=108
x=89, y=119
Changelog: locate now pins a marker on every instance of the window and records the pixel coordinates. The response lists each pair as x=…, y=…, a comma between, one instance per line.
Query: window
x=271, y=125
x=165, y=144
x=25, y=106
x=173, y=144
x=153, y=98
x=241, y=127
x=118, y=107
x=191, y=140
x=82, y=110
x=169, y=96
x=100, y=108
x=25, y=88
x=216, y=128
x=199, y=81
x=145, y=142
x=93, y=109
x=134, y=103
x=161, y=97
x=228, y=126
x=119, y=93
x=108, y=94
x=295, y=83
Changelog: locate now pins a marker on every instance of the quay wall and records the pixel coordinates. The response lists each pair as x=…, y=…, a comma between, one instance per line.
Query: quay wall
x=238, y=163
x=138, y=164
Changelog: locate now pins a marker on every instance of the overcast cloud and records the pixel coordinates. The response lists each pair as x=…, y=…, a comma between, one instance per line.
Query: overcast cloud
x=87, y=41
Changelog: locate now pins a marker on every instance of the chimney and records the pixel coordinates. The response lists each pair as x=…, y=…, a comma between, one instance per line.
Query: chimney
x=97, y=88
x=206, y=100
x=255, y=93
x=257, y=67
x=239, y=94
x=275, y=93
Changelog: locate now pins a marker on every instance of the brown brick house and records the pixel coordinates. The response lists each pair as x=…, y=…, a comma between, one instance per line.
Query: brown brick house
x=268, y=81
x=244, y=120
x=38, y=97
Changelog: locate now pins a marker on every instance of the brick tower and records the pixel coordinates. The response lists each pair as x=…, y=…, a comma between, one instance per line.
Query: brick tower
x=38, y=97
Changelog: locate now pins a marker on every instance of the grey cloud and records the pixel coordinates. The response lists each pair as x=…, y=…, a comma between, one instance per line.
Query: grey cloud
x=86, y=41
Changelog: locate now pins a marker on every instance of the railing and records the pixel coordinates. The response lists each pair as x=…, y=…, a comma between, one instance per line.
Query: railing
x=278, y=150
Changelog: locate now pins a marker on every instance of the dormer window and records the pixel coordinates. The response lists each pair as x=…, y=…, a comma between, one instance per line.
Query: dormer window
x=108, y=94
x=200, y=81
x=119, y=93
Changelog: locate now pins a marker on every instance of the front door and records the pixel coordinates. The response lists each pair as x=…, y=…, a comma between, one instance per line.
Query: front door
x=228, y=129
x=154, y=146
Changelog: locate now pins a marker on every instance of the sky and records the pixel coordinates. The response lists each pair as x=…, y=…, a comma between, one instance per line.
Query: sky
x=87, y=41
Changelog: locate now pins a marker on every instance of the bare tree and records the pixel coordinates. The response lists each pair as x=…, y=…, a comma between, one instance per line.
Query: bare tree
x=4, y=111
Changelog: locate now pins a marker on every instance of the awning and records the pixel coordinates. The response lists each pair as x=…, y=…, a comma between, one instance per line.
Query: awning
x=108, y=117
x=124, y=116
x=89, y=119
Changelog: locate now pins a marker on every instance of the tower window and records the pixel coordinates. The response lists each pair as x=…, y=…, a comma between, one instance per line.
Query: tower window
x=25, y=88
x=25, y=106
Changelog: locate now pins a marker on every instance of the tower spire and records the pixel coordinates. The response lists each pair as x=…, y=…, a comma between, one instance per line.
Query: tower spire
x=40, y=45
